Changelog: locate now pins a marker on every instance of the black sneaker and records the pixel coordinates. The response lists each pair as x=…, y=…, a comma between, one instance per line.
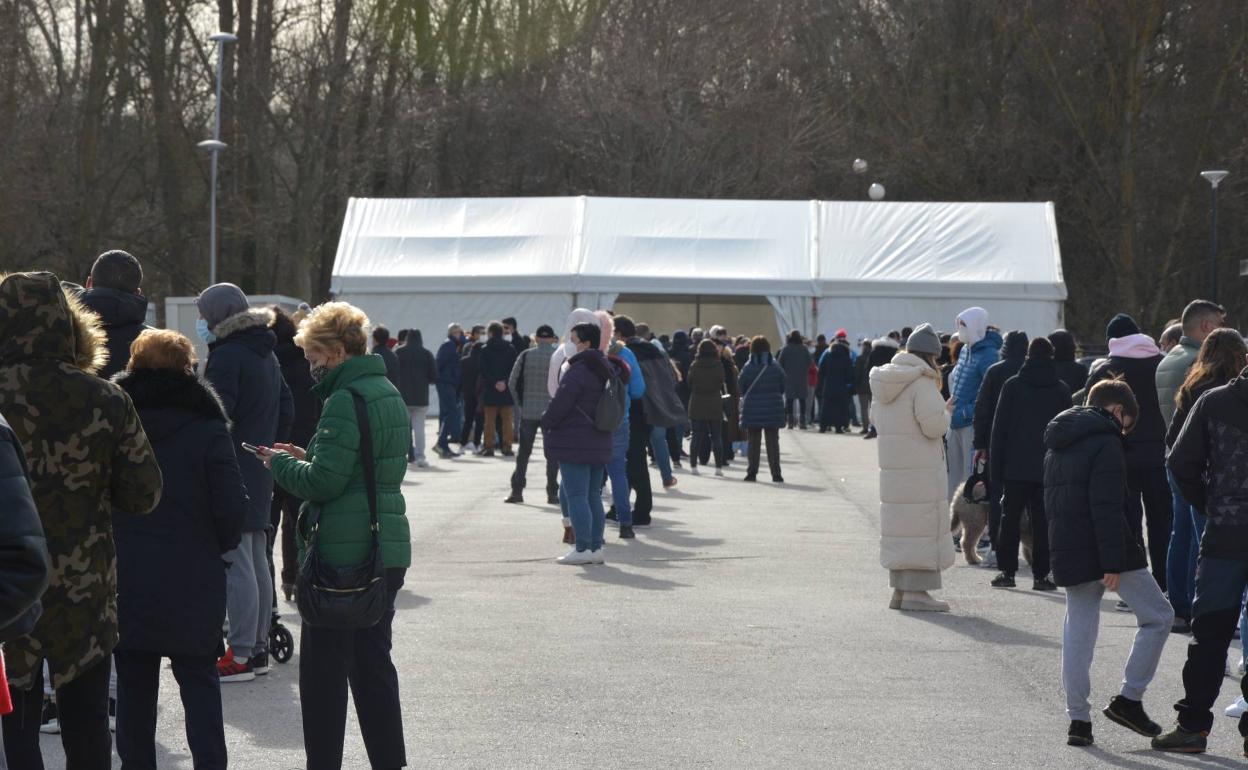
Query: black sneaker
x=552, y=498
x=1181, y=741
x=1003, y=580
x=515, y=497
x=1181, y=626
x=626, y=532
x=611, y=515
x=1043, y=584
x=1130, y=714
x=49, y=723
x=1079, y=734
x=260, y=663
x=750, y=477
x=112, y=714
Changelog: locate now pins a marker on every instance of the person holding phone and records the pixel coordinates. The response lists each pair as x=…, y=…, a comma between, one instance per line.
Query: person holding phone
x=328, y=474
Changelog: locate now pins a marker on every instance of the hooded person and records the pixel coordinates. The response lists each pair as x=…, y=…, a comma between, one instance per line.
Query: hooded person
x=980, y=350
x=882, y=352
x=418, y=370
x=836, y=387
x=114, y=293
x=51, y=348
x=567, y=348
x=1065, y=352
x=1134, y=357
x=911, y=419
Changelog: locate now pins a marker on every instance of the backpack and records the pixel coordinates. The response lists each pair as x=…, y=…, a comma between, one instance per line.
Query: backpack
x=613, y=405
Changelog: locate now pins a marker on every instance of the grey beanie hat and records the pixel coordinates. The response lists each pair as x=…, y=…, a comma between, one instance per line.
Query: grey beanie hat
x=924, y=339
x=220, y=301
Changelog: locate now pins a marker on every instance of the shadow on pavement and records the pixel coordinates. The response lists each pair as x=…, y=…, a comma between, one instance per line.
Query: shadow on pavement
x=984, y=630
x=1181, y=760
x=406, y=600
x=611, y=576
x=679, y=538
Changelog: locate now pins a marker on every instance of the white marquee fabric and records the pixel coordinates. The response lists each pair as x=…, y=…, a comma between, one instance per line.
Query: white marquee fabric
x=865, y=266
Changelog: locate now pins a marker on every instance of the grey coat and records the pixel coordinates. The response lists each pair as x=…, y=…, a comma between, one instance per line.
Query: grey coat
x=795, y=360
x=528, y=381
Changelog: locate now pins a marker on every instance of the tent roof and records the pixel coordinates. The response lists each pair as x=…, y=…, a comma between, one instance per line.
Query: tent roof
x=680, y=246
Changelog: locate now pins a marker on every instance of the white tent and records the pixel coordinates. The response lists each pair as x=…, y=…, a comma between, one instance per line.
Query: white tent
x=868, y=267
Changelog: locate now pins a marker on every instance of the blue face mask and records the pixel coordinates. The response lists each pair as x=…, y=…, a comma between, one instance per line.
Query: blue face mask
x=201, y=328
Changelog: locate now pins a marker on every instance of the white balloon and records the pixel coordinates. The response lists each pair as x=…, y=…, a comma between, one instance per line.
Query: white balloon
x=876, y=192
x=860, y=166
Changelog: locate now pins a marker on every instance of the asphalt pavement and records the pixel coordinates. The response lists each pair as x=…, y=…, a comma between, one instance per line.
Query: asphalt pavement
x=747, y=628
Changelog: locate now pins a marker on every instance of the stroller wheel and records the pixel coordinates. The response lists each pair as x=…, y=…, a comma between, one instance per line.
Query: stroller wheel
x=281, y=643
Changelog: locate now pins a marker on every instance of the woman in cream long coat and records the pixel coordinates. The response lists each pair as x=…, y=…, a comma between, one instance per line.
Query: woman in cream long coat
x=911, y=418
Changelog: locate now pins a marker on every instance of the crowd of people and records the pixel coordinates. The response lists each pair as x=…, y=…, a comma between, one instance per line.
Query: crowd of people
x=1121, y=473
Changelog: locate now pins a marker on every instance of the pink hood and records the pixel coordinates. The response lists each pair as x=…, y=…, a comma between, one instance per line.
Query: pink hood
x=1134, y=346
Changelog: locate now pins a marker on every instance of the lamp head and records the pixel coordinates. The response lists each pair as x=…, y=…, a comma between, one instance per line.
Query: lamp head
x=876, y=192
x=211, y=145
x=1214, y=178
x=223, y=37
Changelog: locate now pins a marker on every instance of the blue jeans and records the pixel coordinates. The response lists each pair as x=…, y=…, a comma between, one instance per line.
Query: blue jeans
x=617, y=471
x=658, y=443
x=580, y=495
x=450, y=415
x=1185, y=536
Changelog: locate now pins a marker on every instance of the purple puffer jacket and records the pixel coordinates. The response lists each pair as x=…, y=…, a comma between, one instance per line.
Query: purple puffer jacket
x=570, y=435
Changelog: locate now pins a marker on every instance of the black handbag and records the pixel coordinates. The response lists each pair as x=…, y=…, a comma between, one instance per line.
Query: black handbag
x=353, y=596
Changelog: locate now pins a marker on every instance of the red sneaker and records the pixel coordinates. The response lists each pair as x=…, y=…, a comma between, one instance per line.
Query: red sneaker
x=231, y=670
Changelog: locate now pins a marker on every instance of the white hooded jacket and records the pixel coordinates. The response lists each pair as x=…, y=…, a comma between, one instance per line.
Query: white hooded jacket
x=567, y=349
x=909, y=414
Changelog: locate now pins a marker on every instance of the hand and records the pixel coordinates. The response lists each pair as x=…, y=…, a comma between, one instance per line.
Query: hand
x=949, y=406
x=981, y=455
x=1110, y=581
x=294, y=451
x=267, y=457
x=500, y=386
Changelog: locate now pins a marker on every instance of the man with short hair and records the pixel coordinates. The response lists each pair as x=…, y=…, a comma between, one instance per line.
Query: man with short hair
x=511, y=333
x=381, y=347
x=498, y=357
x=528, y=388
x=417, y=371
x=1200, y=318
x=1170, y=337
x=638, y=468
x=114, y=291
x=450, y=416
x=470, y=378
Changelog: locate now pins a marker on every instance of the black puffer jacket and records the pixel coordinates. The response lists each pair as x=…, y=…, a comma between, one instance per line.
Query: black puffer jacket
x=1070, y=371
x=1146, y=445
x=1210, y=463
x=392, y=364
x=298, y=376
x=1012, y=354
x=498, y=357
x=1028, y=402
x=417, y=369
x=170, y=576
x=24, y=563
x=124, y=317
x=1084, y=481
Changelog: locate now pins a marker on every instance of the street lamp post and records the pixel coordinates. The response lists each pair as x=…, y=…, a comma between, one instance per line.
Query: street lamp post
x=215, y=146
x=1214, y=178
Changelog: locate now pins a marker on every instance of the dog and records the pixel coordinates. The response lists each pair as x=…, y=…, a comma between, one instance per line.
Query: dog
x=971, y=517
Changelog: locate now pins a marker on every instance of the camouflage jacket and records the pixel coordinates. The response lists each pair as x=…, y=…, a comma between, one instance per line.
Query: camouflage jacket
x=88, y=454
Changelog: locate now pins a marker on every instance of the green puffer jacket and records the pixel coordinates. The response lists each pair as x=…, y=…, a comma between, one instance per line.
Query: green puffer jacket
x=1171, y=372
x=333, y=477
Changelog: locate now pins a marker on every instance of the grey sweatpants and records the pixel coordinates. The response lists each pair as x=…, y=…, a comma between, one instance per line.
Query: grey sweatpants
x=959, y=456
x=417, y=415
x=1153, y=616
x=249, y=595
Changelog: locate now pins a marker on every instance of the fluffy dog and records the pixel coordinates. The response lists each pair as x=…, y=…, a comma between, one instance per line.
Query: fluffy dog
x=971, y=517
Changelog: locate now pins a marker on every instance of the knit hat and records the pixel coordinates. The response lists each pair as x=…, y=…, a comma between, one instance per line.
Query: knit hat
x=924, y=340
x=841, y=334
x=1121, y=325
x=220, y=301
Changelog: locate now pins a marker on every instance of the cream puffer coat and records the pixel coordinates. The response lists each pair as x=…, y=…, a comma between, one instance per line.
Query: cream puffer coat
x=909, y=414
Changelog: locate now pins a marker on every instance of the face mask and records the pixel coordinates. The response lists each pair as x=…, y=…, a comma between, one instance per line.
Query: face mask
x=201, y=328
x=506, y=338
x=319, y=372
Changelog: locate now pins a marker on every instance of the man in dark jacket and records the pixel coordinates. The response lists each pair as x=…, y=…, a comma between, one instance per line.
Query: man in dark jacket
x=114, y=292
x=1065, y=351
x=795, y=360
x=1013, y=351
x=512, y=335
x=1094, y=548
x=1210, y=463
x=639, y=433
x=450, y=408
x=470, y=391
x=882, y=352
x=417, y=371
x=24, y=567
x=498, y=356
x=1135, y=357
x=1028, y=401
x=297, y=375
x=663, y=408
x=246, y=374
x=381, y=347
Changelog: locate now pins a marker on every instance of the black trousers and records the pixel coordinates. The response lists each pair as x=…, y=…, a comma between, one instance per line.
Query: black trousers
x=138, y=685
x=528, y=434
x=1023, y=496
x=284, y=515
x=801, y=411
x=1220, y=585
x=638, y=468
x=773, y=450
x=1150, y=504
x=994, y=513
x=675, y=443
x=82, y=707
x=329, y=661
x=707, y=436
x=474, y=422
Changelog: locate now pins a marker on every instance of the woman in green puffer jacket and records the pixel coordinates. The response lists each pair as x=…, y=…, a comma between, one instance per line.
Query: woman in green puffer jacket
x=329, y=474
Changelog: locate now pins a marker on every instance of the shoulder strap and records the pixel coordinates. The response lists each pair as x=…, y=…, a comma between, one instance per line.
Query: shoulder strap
x=366, y=456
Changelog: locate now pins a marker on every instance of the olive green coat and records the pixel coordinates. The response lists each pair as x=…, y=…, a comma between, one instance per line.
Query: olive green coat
x=88, y=456
x=332, y=476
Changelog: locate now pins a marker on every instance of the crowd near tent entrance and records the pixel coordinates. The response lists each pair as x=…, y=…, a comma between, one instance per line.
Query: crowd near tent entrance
x=817, y=266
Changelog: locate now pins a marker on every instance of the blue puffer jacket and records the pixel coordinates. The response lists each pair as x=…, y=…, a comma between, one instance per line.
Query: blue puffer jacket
x=969, y=374
x=762, y=403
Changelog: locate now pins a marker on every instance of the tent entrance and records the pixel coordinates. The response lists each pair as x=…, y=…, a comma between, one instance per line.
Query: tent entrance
x=666, y=313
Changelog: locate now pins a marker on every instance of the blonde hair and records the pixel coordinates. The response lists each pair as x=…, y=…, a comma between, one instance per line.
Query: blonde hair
x=161, y=349
x=334, y=324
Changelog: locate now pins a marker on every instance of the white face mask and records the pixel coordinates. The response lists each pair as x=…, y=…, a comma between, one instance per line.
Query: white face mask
x=506, y=338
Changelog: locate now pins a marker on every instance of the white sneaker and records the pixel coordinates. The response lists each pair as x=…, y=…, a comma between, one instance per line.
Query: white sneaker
x=422, y=463
x=1237, y=709
x=469, y=448
x=576, y=557
x=719, y=471
x=597, y=557
x=694, y=471
x=990, y=560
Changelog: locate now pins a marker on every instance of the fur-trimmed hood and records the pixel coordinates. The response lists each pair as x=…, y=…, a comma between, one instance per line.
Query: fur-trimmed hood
x=248, y=319
x=39, y=319
x=152, y=389
x=886, y=342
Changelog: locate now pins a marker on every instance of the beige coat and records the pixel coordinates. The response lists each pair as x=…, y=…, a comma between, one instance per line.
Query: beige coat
x=909, y=414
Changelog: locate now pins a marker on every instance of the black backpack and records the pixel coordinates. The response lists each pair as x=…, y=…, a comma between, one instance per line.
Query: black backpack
x=613, y=405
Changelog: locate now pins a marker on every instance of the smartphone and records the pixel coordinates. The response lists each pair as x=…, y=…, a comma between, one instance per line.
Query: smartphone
x=255, y=450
